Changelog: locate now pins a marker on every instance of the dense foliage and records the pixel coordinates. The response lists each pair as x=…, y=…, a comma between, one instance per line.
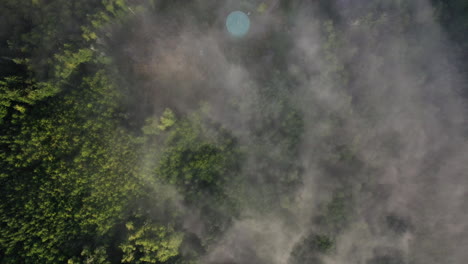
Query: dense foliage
x=92, y=172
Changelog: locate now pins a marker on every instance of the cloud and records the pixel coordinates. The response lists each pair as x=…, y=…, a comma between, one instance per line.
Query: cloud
x=383, y=127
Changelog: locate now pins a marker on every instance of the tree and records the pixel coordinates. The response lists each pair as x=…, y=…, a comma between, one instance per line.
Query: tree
x=150, y=243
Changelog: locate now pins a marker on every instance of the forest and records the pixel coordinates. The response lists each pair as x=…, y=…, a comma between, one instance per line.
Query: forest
x=143, y=131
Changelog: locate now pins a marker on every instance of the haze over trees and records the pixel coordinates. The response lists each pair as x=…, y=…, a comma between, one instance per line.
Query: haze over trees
x=140, y=131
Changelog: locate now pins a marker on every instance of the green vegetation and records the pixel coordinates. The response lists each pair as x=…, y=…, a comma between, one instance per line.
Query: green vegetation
x=91, y=172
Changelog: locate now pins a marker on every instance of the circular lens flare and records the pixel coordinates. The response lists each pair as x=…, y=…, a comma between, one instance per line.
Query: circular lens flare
x=238, y=23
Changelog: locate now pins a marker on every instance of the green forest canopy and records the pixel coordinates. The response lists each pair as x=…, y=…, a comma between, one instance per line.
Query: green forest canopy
x=88, y=175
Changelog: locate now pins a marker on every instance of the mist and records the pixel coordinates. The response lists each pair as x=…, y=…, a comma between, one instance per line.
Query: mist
x=331, y=132
x=382, y=127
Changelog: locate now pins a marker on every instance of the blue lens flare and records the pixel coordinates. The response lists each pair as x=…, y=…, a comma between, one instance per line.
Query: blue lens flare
x=238, y=23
